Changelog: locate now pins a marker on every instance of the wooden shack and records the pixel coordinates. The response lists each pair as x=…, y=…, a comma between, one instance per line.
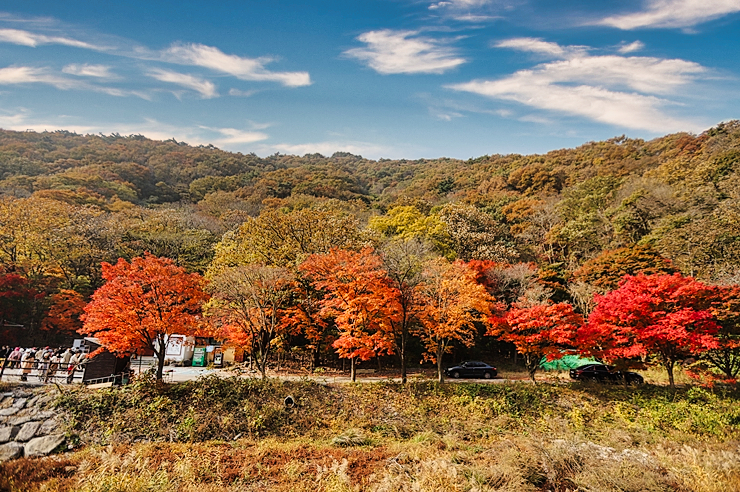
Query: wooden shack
x=104, y=365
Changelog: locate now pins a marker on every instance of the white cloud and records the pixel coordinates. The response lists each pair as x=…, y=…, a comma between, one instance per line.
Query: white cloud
x=241, y=93
x=459, y=4
x=328, y=148
x=390, y=52
x=87, y=70
x=206, y=88
x=536, y=45
x=632, y=47
x=228, y=138
x=611, y=89
x=239, y=67
x=33, y=75
x=235, y=136
x=673, y=13
x=467, y=10
x=27, y=38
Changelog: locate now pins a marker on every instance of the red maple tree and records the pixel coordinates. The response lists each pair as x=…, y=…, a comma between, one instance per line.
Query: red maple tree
x=359, y=300
x=541, y=330
x=665, y=316
x=142, y=304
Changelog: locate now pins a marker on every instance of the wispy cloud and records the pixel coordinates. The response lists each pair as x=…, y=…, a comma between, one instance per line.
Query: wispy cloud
x=328, y=148
x=632, y=47
x=228, y=138
x=46, y=32
x=672, y=14
x=206, y=88
x=34, y=75
x=612, y=89
x=87, y=70
x=237, y=66
x=537, y=45
x=391, y=52
x=240, y=93
x=27, y=38
x=235, y=136
x=466, y=10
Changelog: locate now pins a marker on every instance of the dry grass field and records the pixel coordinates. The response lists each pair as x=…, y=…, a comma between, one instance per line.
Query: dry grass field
x=237, y=435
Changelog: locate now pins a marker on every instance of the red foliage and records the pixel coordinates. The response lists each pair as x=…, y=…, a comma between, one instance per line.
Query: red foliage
x=482, y=269
x=542, y=330
x=667, y=316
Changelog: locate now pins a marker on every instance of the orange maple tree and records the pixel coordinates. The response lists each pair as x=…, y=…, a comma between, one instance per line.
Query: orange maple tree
x=142, y=304
x=303, y=317
x=453, y=304
x=359, y=300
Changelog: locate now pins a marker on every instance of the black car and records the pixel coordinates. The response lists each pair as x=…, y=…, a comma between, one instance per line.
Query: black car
x=604, y=374
x=472, y=369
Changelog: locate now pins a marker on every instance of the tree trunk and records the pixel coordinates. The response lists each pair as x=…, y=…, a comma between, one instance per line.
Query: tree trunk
x=316, y=361
x=403, y=367
x=440, y=372
x=669, y=368
x=531, y=366
x=160, y=364
x=352, y=369
x=402, y=354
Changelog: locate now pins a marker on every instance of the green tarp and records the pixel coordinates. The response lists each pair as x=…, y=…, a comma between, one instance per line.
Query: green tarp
x=566, y=363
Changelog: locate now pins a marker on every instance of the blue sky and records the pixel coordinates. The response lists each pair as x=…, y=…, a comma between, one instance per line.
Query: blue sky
x=380, y=78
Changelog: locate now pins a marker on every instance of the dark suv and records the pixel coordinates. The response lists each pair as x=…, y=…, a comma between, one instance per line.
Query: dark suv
x=604, y=374
x=472, y=369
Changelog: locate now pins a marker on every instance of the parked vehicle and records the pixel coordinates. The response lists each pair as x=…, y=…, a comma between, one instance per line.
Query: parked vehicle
x=472, y=369
x=604, y=374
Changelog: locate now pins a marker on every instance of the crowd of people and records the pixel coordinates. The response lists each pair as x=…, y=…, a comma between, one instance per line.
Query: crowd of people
x=49, y=363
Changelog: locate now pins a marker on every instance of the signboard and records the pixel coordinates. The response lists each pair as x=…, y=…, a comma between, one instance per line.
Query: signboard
x=199, y=357
x=174, y=346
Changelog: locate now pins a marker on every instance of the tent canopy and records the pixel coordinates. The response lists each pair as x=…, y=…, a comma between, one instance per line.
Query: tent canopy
x=565, y=363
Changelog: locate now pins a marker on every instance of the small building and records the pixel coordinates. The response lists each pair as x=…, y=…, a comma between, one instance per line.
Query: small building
x=180, y=348
x=103, y=365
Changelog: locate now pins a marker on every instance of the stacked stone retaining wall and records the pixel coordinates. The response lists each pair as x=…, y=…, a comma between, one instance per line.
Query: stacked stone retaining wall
x=28, y=425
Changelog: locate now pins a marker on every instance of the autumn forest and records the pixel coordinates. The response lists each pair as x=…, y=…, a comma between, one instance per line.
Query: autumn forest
x=623, y=250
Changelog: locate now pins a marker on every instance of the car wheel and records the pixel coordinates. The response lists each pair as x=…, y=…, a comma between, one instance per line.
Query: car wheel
x=456, y=374
x=487, y=375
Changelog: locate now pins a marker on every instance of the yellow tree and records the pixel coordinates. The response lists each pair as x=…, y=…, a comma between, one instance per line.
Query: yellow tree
x=408, y=222
x=285, y=239
x=453, y=304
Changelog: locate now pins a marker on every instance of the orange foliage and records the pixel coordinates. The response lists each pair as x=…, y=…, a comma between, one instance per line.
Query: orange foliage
x=454, y=303
x=358, y=298
x=142, y=303
x=64, y=315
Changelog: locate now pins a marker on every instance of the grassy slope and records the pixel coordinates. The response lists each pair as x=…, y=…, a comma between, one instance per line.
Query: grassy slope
x=236, y=435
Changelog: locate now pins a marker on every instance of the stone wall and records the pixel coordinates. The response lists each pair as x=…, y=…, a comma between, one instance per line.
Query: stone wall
x=28, y=426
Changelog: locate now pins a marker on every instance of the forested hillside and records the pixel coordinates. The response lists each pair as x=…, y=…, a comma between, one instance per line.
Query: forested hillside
x=575, y=220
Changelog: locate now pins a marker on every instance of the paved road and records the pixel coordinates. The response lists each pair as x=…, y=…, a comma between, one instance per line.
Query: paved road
x=176, y=374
